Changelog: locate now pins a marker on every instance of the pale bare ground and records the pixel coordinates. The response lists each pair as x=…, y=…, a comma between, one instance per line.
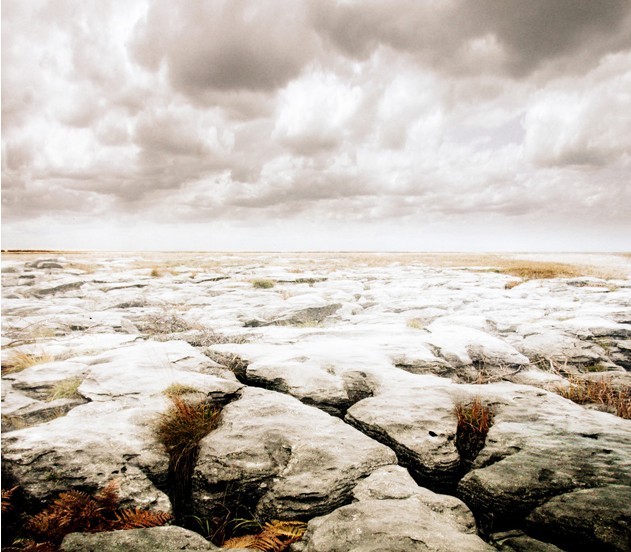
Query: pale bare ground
x=523, y=265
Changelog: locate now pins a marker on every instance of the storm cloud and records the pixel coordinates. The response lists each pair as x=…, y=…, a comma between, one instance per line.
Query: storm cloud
x=316, y=124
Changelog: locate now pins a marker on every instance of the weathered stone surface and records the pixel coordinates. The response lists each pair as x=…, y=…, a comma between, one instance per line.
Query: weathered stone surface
x=541, y=446
x=415, y=417
x=155, y=539
x=594, y=519
x=328, y=373
x=285, y=459
x=395, y=320
x=61, y=288
x=43, y=263
x=517, y=541
x=391, y=513
x=303, y=317
x=111, y=436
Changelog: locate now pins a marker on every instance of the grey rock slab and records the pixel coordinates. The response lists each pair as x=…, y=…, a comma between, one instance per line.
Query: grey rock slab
x=462, y=345
x=154, y=539
x=540, y=446
x=112, y=436
x=86, y=448
x=594, y=519
x=517, y=541
x=415, y=417
x=330, y=372
x=144, y=369
x=286, y=459
x=391, y=513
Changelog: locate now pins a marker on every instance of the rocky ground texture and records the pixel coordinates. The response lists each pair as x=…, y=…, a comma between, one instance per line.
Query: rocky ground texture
x=339, y=377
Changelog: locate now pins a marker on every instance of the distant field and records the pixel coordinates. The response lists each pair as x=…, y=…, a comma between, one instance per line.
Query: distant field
x=522, y=265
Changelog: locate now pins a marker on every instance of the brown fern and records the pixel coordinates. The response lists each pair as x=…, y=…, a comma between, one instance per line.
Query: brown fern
x=7, y=496
x=275, y=537
x=77, y=511
x=133, y=518
x=108, y=497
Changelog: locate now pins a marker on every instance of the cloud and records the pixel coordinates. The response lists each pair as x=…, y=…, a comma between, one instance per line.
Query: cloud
x=506, y=36
x=218, y=45
x=436, y=116
x=585, y=123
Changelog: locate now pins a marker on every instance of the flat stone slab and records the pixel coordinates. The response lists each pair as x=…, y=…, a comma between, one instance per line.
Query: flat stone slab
x=286, y=459
x=390, y=512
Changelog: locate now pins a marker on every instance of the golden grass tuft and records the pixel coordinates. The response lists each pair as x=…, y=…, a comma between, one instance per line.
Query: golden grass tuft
x=617, y=399
x=65, y=389
x=263, y=284
x=21, y=361
x=179, y=389
x=156, y=273
x=540, y=270
x=415, y=323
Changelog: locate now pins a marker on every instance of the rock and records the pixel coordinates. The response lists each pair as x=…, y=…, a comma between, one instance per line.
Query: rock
x=517, y=541
x=391, y=513
x=311, y=316
x=415, y=417
x=330, y=373
x=111, y=436
x=461, y=346
x=43, y=263
x=281, y=458
x=540, y=446
x=154, y=539
x=62, y=288
x=85, y=449
x=594, y=519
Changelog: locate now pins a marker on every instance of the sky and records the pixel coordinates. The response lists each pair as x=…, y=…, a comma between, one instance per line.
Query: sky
x=403, y=125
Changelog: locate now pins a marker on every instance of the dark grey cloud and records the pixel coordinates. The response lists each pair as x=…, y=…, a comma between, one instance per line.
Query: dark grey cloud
x=215, y=45
x=446, y=35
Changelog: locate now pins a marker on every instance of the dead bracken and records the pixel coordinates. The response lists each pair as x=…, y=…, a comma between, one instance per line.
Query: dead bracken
x=474, y=422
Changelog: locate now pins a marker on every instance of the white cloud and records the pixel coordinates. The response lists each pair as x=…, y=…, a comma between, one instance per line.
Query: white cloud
x=311, y=123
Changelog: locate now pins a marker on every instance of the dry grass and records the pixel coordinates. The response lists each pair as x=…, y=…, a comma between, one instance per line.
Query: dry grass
x=263, y=284
x=179, y=389
x=474, y=421
x=166, y=322
x=184, y=425
x=179, y=430
x=512, y=284
x=538, y=270
x=415, y=323
x=65, y=389
x=156, y=273
x=21, y=361
x=616, y=399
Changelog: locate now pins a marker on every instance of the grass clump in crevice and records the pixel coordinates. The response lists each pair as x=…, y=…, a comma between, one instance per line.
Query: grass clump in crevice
x=20, y=360
x=263, y=284
x=614, y=398
x=166, y=322
x=65, y=389
x=474, y=422
x=180, y=430
x=179, y=389
x=416, y=323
